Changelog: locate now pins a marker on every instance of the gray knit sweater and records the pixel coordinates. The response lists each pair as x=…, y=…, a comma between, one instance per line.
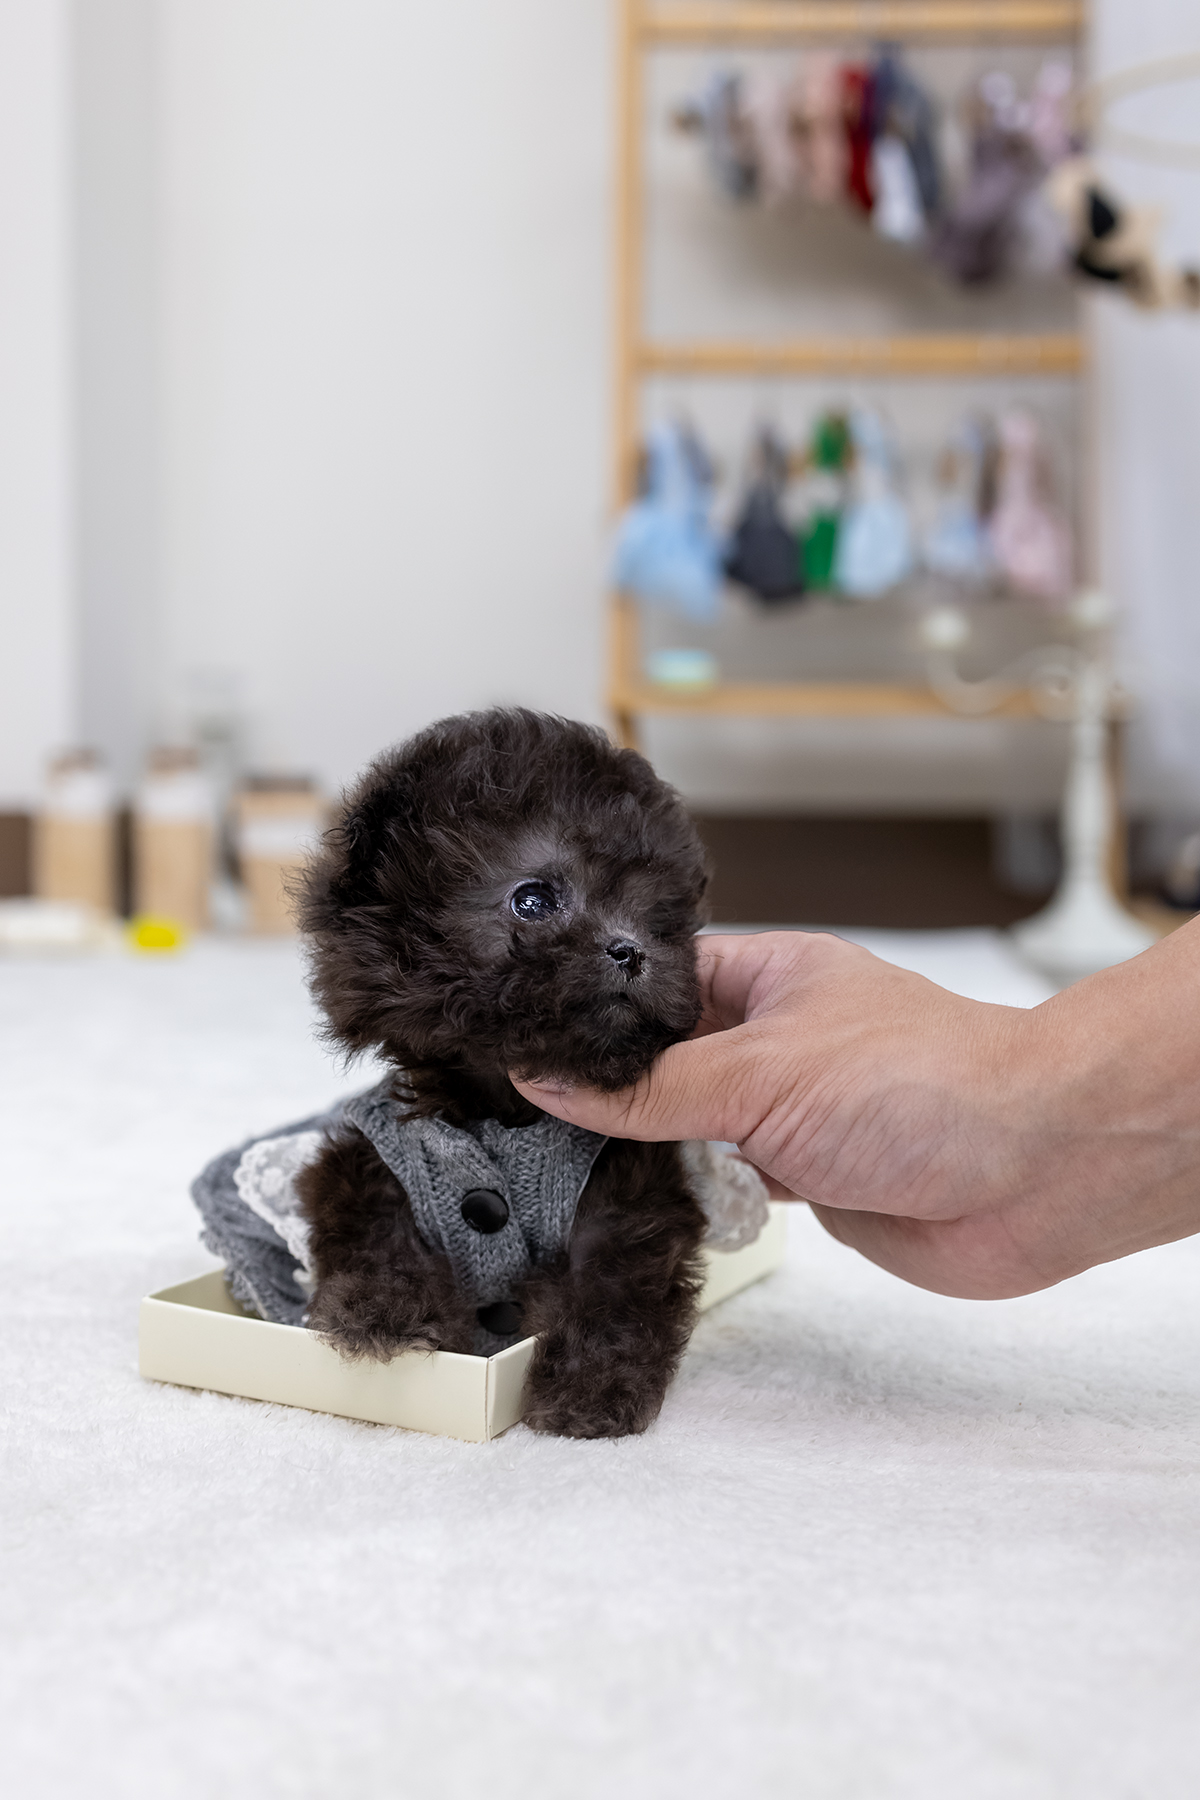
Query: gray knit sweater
x=251, y=1214
x=252, y=1220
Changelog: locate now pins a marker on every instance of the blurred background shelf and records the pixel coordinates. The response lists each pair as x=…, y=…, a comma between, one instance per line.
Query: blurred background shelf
x=927, y=355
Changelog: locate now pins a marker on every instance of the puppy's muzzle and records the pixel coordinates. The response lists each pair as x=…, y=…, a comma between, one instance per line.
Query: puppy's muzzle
x=627, y=955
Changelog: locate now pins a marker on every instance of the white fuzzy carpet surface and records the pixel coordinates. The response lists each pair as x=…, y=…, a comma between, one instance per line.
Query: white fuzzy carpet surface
x=879, y=1545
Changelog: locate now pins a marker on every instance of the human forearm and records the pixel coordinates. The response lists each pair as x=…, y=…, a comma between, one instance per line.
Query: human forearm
x=1115, y=1091
x=978, y=1150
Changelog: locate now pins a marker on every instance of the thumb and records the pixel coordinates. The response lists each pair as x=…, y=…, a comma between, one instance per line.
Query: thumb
x=699, y=1089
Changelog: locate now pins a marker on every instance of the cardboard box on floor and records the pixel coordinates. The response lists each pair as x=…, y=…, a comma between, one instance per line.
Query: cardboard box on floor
x=197, y=1335
x=75, y=834
x=277, y=825
x=174, y=839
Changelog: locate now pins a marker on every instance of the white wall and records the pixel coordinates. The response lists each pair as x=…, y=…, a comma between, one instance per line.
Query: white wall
x=37, y=645
x=385, y=309
x=117, y=400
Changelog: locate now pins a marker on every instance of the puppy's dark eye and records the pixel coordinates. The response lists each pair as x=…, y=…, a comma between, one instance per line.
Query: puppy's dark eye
x=534, y=900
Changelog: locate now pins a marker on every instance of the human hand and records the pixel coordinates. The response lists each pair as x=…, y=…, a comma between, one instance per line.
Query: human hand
x=976, y=1150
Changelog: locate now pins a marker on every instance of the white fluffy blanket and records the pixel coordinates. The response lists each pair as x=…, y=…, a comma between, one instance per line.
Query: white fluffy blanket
x=880, y=1545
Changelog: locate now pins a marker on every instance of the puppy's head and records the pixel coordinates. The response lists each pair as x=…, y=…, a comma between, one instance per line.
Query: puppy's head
x=508, y=891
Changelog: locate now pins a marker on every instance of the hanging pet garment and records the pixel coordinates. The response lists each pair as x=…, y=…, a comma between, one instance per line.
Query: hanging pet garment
x=824, y=497
x=1030, y=540
x=721, y=118
x=667, y=551
x=897, y=213
x=903, y=108
x=767, y=101
x=874, y=546
x=818, y=124
x=857, y=111
x=868, y=135
x=1041, y=247
x=905, y=170
x=957, y=544
x=763, y=554
x=978, y=232
x=1050, y=113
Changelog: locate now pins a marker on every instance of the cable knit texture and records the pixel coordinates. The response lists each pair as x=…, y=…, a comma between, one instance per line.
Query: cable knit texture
x=248, y=1201
x=252, y=1220
x=540, y=1170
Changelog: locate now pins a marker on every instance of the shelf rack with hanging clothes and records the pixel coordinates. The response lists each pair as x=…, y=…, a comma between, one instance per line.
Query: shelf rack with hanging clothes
x=646, y=28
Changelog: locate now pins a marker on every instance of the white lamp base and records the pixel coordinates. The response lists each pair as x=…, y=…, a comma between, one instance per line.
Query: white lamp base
x=1085, y=928
x=1082, y=931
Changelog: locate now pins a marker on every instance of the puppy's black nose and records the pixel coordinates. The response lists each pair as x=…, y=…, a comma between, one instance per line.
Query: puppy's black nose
x=627, y=955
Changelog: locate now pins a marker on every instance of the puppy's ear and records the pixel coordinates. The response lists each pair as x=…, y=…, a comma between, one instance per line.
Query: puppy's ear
x=360, y=835
x=348, y=873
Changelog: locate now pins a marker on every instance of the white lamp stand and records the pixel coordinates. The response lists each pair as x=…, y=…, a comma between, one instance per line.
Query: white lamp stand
x=1084, y=928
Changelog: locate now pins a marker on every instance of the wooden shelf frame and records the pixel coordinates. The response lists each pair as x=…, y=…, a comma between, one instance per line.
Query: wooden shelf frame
x=924, y=356
x=838, y=20
x=632, y=697
x=644, y=28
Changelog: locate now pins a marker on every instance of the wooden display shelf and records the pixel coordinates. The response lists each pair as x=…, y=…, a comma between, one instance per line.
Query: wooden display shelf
x=924, y=354
x=631, y=696
x=644, y=28
x=804, y=700
x=829, y=20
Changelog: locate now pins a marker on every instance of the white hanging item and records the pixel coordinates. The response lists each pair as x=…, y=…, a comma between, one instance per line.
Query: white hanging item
x=897, y=212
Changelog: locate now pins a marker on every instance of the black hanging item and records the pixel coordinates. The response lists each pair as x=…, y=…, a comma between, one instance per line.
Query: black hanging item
x=763, y=554
x=1116, y=243
x=1102, y=219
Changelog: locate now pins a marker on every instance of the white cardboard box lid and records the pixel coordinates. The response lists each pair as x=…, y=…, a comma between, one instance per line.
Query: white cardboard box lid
x=196, y=1335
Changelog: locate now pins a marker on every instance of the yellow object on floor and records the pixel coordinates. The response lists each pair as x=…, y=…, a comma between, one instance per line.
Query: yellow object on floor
x=149, y=932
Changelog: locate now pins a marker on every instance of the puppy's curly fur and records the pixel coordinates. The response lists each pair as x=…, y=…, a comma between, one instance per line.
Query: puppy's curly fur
x=508, y=891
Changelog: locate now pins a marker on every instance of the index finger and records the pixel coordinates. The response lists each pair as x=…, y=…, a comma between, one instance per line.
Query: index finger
x=711, y=1087
x=737, y=972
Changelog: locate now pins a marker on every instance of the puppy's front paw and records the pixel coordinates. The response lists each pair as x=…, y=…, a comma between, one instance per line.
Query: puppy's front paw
x=593, y=1401
x=362, y=1317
